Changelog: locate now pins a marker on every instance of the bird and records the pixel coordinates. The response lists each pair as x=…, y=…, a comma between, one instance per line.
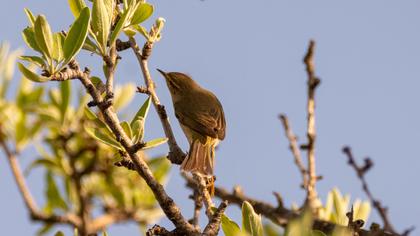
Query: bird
x=201, y=118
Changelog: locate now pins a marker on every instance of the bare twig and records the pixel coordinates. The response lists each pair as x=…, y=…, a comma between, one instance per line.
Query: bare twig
x=361, y=171
x=198, y=204
x=295, y=149
x=176, y=155
x=313, y=82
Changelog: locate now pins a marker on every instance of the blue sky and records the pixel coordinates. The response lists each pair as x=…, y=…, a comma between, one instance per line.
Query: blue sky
x=249, y=53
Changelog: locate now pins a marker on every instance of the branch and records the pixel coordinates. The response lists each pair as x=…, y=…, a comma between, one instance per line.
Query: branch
x=361, y=171
x=176, y=155
x=168, y=206
x=313, y=82
x=213, y=226
x=30, y=203
x=294, y=149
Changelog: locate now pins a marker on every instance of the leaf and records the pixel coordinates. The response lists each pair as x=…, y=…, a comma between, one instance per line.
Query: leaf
x=142, y=31
x=44, y=229
x=154, y=143
x=76, y=6
x=251, y=221
x=43, y=36
x=54, y=199
x=58, y=47
x=90, y=46
x=142, y=13
x=103, y=137
x=34, y=60
x=142, y=112
x=229, y=227
x=77, y=35
x=47, y=163
x=65, y=92
x=101, y=23
x=160, y=167
x=28, y=35
x=119, y=26
x=127, y=129
x=31, y=75
x=123, y=95
x=59, y=233
x=138, y=130
x=30, y=16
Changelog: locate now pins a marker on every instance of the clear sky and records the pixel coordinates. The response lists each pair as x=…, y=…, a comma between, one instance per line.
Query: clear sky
x=249, y=53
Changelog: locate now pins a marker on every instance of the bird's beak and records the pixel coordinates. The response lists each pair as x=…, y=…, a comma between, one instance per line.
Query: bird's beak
x=163, y=73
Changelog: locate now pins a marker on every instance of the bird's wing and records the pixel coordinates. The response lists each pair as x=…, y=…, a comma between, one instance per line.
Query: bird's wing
x=210, y=122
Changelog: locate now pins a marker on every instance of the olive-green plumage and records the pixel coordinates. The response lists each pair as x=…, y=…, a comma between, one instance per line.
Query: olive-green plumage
x=202, y=119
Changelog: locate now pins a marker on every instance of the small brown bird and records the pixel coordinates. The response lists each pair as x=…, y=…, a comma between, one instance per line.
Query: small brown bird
x=201, y=117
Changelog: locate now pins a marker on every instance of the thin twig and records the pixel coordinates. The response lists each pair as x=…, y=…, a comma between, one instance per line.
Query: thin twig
x=198, y=204
x=110, y=62
x=361, y=171
x=294, y=148
x=313, y=82
x=176, y=155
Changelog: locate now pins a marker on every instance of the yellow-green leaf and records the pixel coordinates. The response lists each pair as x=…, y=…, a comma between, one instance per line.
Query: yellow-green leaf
x=251, y=221
x=58, y=47
x=142, y=13
x=34, y=60
x=229, y=227
x=77, y=35
x=76, y=6
x=28, y=35
x=101, y=23
x=31, y=75
x=119, y=26
x=30, y=16
x=43, y=36
x=154, y=143
x=103, y=137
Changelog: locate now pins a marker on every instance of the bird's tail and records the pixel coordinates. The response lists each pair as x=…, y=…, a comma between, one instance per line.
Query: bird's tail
x=200, y=159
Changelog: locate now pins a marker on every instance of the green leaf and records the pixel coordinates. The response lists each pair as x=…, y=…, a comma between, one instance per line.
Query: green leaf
x=31, y=75
x=119, y=26
x=251, y=221
x=58, y=47
x=138, y=130
x=142, y=13
x=76, y=6
x=142, y=31
x=44, y=229
x=59, y=233
x=154, y=143
x=103, y=137
x=160, y=167
x=47, y=163
x=77, y=35
x=270, y=230
x=123, y=95
x=54, y=199
x=101, y=23
x=65, y=92
x=90, y=46
x=142, y=112
x=229, y=227
x=127, y=129
x=43, y=36
x=28, y=35
x=34, y=60
x=30, y=16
